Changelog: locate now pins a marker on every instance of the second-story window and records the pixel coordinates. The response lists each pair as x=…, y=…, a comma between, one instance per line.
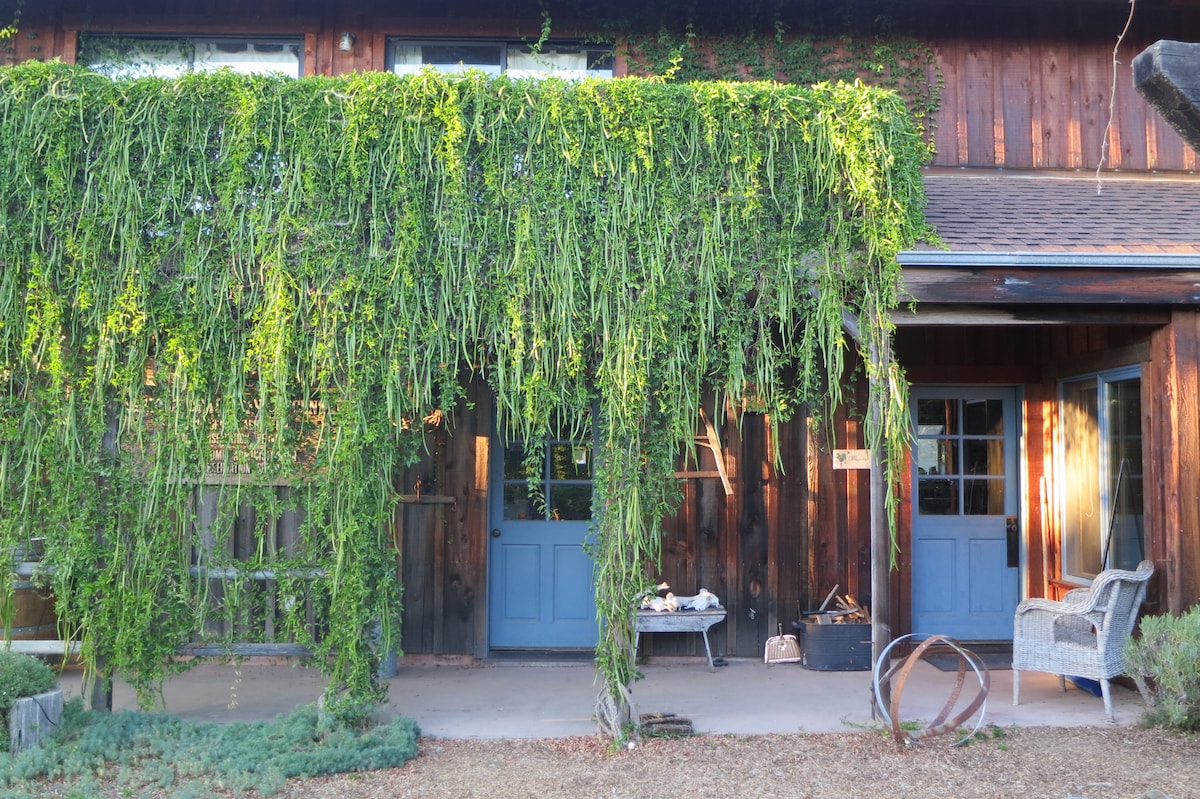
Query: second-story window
x=171, y=56
x=407, y=56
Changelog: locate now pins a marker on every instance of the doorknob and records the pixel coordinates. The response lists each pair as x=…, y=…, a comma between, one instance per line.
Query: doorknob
x=495, y=532
x=1012, y=535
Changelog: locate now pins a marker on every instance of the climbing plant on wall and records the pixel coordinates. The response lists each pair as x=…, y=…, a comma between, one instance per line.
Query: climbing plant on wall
x=282, y=278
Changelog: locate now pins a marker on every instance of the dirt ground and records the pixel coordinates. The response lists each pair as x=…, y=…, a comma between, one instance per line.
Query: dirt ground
x=1056, y=763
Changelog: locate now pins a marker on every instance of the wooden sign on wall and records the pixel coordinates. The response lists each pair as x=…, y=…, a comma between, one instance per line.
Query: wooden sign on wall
x=852, y=459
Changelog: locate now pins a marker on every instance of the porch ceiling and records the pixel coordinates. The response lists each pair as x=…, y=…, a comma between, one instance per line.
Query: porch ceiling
x=1053, y=239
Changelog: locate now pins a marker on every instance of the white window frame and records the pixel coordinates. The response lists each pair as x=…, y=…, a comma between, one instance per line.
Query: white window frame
x=513, y=58
x=183, y=59
x=1087, y=492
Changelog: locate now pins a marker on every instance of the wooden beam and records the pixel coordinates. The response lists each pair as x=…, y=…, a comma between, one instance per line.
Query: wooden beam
x=175, y=25
x=711, y=440
x=245, y=650
x=1167, y=74
x=1051, y=285
x=714, y=443
x=927, y=314
x=41, y=648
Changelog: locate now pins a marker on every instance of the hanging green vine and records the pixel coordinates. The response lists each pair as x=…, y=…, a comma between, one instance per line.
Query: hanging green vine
x=279, y=279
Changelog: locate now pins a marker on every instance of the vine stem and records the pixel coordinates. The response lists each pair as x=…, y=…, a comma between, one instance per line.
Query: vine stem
x=1112, y=97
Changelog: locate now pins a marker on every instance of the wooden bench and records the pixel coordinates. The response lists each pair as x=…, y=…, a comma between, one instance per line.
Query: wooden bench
x=678, y=621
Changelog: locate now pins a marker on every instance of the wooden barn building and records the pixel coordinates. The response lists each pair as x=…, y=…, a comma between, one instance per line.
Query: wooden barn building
x=1053, y=341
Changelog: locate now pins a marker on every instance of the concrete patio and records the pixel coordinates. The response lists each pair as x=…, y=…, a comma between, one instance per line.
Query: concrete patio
x=536, y=699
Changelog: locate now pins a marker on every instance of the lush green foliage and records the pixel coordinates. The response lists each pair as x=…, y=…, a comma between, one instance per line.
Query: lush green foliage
x=1165, y=662
x=283, y=278
x=901, y=63
x=20, y=675
x=165, y=755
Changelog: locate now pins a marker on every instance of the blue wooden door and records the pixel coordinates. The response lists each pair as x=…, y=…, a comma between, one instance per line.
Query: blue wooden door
x=966, y=545
x=541, y=592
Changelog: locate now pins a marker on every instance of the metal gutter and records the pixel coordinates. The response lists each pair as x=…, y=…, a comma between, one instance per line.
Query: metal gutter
x=1139, y=260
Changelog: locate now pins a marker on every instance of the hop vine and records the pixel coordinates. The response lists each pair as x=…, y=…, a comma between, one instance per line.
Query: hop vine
x=281, y=278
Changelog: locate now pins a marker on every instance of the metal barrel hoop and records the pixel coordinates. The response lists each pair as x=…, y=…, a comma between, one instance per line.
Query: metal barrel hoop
x=897, y=673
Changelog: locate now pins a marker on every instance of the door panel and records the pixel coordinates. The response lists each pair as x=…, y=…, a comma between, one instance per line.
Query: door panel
x=541, y=591
x=966, y=489
x=516, y=562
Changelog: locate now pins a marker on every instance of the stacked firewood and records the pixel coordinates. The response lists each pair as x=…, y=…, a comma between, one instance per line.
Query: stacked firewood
x=850, y=612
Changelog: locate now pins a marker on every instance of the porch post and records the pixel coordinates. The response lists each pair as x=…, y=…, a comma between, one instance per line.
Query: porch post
x=881, y=592
x=881, y=624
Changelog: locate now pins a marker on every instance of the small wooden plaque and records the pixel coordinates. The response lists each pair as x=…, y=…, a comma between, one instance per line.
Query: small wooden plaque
x=852, y=459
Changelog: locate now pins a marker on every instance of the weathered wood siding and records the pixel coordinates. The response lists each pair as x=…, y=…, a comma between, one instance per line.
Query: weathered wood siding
x=441, y=536
x=1170, y=394
x=1032, y=86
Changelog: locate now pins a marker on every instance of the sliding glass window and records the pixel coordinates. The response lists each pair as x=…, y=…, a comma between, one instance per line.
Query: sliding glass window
x=1101, y=466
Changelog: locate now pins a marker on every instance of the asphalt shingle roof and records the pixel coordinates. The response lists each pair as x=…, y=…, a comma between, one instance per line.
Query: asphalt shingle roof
x=1074, y=213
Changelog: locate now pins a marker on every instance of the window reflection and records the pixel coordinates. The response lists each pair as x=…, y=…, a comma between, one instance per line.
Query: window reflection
x=959, y=439
x=1101, y=458
x=557, y=486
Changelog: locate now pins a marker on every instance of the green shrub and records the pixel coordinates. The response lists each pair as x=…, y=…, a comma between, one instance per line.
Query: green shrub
x=20, y=675
x=1165, y=663
x=165, y=755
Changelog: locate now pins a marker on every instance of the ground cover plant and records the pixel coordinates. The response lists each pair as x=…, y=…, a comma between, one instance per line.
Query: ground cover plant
x=20, y=676
x=159, y=753
x=285, y=279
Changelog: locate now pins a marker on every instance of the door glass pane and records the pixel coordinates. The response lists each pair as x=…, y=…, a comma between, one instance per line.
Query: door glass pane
x=983, y=497
x=571, y=501
x=960, y=438
x=937, y=497
x=559, y=486
x=983, y=417
x=514, y=462
x=983, y=456
x=518, y=504
x=570, y=461
x=937, y=416
x=936, y=456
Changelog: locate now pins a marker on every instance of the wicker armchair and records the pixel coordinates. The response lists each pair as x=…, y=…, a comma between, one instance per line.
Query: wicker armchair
x=1084, y=633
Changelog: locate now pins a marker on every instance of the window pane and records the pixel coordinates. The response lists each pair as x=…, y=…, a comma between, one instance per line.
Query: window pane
x=124, y=57
x=135, y=57
x=937, y=497
x=937, y=416
x=249, y=57
x=571, y=501
x=1103, y=524
x=983, y=457
x=937, y=456
x=570, y=461
x=562, y=62
x=1082, y=512
x=983, y=497
x=1124, y=545
x=561, y=485
x=983, y=417
x=517, y=502
x=448, y=57
x=514, y=462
